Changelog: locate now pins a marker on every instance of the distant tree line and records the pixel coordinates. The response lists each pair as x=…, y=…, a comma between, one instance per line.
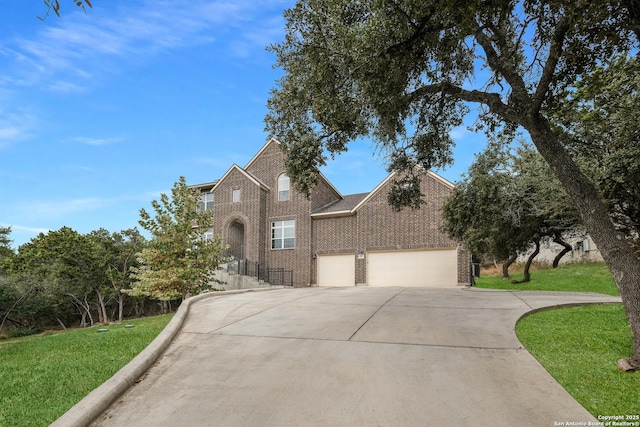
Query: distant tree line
x=66, y=279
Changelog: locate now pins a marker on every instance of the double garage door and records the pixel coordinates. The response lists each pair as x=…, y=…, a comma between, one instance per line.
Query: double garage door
x=430, y=268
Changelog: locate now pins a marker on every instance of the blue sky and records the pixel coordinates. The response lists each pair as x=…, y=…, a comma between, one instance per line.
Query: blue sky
x=100, y=113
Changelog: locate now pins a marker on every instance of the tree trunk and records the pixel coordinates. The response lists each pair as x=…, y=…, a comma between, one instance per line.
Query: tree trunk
x=6, y=316
x=527, y=266
x=61, y=323
x=83, y=308
x=567, y=248
x=103, y=317
x=507, y=264
x=616, y=252
x=120, y=307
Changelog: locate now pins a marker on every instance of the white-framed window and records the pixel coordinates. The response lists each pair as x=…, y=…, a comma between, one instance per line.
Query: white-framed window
x=236, y=195
x=283, y=234
x=284, y=184
x=206, y=202
x=208, y=235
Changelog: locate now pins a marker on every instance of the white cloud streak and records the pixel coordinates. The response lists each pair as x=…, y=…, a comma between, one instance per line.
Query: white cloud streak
x=26, y=229
x=79, y=46
x=96, y=142
x=48, y=211
x=15, y=127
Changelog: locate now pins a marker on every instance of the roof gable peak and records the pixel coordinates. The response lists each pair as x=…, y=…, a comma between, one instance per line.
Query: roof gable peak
x=250, y=177
x=262, y=150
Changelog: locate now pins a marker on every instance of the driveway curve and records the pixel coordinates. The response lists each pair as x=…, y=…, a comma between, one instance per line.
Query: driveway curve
x=353, y=357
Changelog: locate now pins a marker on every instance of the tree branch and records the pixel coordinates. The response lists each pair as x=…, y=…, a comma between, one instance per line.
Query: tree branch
x=555, y=52
x=491, y=100
x=420, y=29
x=497, y=63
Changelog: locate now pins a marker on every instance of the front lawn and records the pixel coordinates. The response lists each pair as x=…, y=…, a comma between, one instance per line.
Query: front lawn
x=579, y=347
x=581, y=277
x=43, y=376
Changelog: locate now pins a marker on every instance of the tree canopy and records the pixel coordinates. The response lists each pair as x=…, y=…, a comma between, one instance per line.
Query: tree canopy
x=5, y=245
x=599, y=123
x=64, y=278
x=406, y=72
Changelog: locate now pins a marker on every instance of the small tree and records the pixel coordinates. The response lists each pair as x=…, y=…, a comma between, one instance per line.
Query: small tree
x=508, y=202
x=179, y=260
x=477, y=212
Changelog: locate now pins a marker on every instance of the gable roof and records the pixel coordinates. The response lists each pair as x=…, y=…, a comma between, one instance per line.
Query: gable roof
x=250, y=177
x=350, y=204
x=345, y=205
x=275, y=141
x=205, y=186
x=341, y=207
x=263, y=149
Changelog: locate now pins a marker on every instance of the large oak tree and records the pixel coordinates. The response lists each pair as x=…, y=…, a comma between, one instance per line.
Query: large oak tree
x=404, y=72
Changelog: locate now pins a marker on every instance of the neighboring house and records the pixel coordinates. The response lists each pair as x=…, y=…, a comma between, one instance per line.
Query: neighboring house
x=584, y=250
x=330, y=239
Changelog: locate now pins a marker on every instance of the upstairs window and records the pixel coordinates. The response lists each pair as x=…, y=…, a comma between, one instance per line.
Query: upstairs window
x=206, y=202
x=283, y=234
x=283, y=188
x=236, y=196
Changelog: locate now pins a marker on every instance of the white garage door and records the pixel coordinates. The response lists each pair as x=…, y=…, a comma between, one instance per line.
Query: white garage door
x=337, y=270
x=434, y=268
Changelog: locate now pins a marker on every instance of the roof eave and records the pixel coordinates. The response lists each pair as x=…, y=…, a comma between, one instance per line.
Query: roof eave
x=335, y=214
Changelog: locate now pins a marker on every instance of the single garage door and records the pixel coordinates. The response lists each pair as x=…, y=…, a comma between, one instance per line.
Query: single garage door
x=337, y=270
x=432, y=268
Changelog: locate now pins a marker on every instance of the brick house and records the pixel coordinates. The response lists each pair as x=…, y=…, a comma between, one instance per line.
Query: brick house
x=331, y=239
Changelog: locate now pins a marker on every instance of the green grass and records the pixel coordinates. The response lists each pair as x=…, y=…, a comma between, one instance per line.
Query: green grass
x=580, y=346
x=41, y=377
x=583, y=277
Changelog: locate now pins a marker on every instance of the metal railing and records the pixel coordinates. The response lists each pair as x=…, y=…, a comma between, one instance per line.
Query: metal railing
x=272, y=276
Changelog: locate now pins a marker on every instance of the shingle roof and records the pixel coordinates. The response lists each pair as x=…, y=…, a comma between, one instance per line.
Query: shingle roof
x=347, y=203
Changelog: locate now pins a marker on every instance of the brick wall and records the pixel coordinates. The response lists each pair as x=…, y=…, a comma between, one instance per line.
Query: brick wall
x=229, y=217
x=267, y=167
x=376, y=226
x=382, y=228
x=464, y=267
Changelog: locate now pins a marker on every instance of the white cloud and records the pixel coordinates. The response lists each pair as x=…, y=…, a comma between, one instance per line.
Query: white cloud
x=26, y=229
x=62, y=86
x=96, y=141
x=53, y=211
x=63, y=208
x=459, y=133
x=77, y=47
x=15, y=127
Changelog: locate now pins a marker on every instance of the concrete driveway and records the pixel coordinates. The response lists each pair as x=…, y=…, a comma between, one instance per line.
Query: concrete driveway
x=353, y=357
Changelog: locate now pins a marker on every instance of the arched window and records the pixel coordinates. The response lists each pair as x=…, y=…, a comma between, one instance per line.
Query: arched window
x=283, y=187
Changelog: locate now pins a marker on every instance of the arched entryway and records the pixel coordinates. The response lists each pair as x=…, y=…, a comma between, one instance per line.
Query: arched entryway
x=235, y=238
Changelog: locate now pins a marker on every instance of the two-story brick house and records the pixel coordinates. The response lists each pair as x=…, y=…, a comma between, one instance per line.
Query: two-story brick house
x=330, y=239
